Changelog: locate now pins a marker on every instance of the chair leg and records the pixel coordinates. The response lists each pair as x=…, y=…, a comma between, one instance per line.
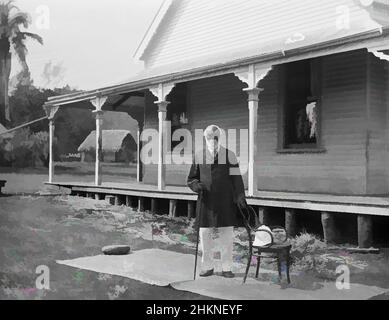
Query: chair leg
x=279, y=267
x=258, y=264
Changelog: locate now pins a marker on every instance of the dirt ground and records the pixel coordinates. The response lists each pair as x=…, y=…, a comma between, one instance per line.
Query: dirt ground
x=37, y=229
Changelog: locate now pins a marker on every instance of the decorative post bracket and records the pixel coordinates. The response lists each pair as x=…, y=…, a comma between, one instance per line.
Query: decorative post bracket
x=51, y=111
x=161, y=91
x=253, y=74
x=377, y=52
x=98, y=102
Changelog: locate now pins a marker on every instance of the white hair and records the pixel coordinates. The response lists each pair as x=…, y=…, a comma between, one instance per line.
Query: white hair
x=212, y=131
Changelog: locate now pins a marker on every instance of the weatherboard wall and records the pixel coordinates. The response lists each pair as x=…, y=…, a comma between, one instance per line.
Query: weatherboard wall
x=352, y=159
x=341, y=167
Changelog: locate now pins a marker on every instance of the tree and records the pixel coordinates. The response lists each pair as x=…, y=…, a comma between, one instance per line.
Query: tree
x=72, y=125
x=12, y=38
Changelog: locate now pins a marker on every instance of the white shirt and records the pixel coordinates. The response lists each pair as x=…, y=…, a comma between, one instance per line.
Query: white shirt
x=212, y=150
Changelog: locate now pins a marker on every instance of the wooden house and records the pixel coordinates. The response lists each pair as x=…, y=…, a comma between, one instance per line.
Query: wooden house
x=309, y=82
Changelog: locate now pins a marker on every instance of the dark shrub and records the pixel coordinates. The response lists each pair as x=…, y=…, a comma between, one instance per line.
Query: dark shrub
x=25, y=149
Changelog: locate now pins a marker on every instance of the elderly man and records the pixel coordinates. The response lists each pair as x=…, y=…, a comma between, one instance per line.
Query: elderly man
x=215, y=173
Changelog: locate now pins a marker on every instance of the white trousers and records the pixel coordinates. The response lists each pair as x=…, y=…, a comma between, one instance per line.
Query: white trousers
x=224, y=243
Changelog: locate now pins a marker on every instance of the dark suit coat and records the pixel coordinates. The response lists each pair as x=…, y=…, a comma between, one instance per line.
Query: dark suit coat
x=223, y=190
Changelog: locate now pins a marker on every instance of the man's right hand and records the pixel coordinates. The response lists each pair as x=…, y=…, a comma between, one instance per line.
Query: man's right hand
x=200, y=187
x=242, y=203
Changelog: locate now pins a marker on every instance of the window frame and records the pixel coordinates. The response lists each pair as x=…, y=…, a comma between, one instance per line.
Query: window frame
x=316, y=78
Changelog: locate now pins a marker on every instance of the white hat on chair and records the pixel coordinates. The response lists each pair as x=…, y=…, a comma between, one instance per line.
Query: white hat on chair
x=263, y=237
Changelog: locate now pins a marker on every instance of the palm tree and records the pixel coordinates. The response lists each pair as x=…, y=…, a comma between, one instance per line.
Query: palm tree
x=12, y=38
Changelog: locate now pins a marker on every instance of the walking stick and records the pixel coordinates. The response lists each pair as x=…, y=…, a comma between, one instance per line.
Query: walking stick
x=198, y=215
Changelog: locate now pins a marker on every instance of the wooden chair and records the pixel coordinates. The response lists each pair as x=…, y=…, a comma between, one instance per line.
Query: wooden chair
x=279, y=251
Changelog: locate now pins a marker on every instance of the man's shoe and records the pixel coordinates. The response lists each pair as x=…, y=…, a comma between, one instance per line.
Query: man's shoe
x=206, y=273
x=228, y=274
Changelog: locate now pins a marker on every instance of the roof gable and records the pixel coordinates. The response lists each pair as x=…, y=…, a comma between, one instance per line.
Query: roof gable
x=192, y=29
x=152, y=29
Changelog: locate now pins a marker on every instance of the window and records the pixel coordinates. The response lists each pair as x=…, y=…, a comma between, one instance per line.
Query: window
x=301, y=105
